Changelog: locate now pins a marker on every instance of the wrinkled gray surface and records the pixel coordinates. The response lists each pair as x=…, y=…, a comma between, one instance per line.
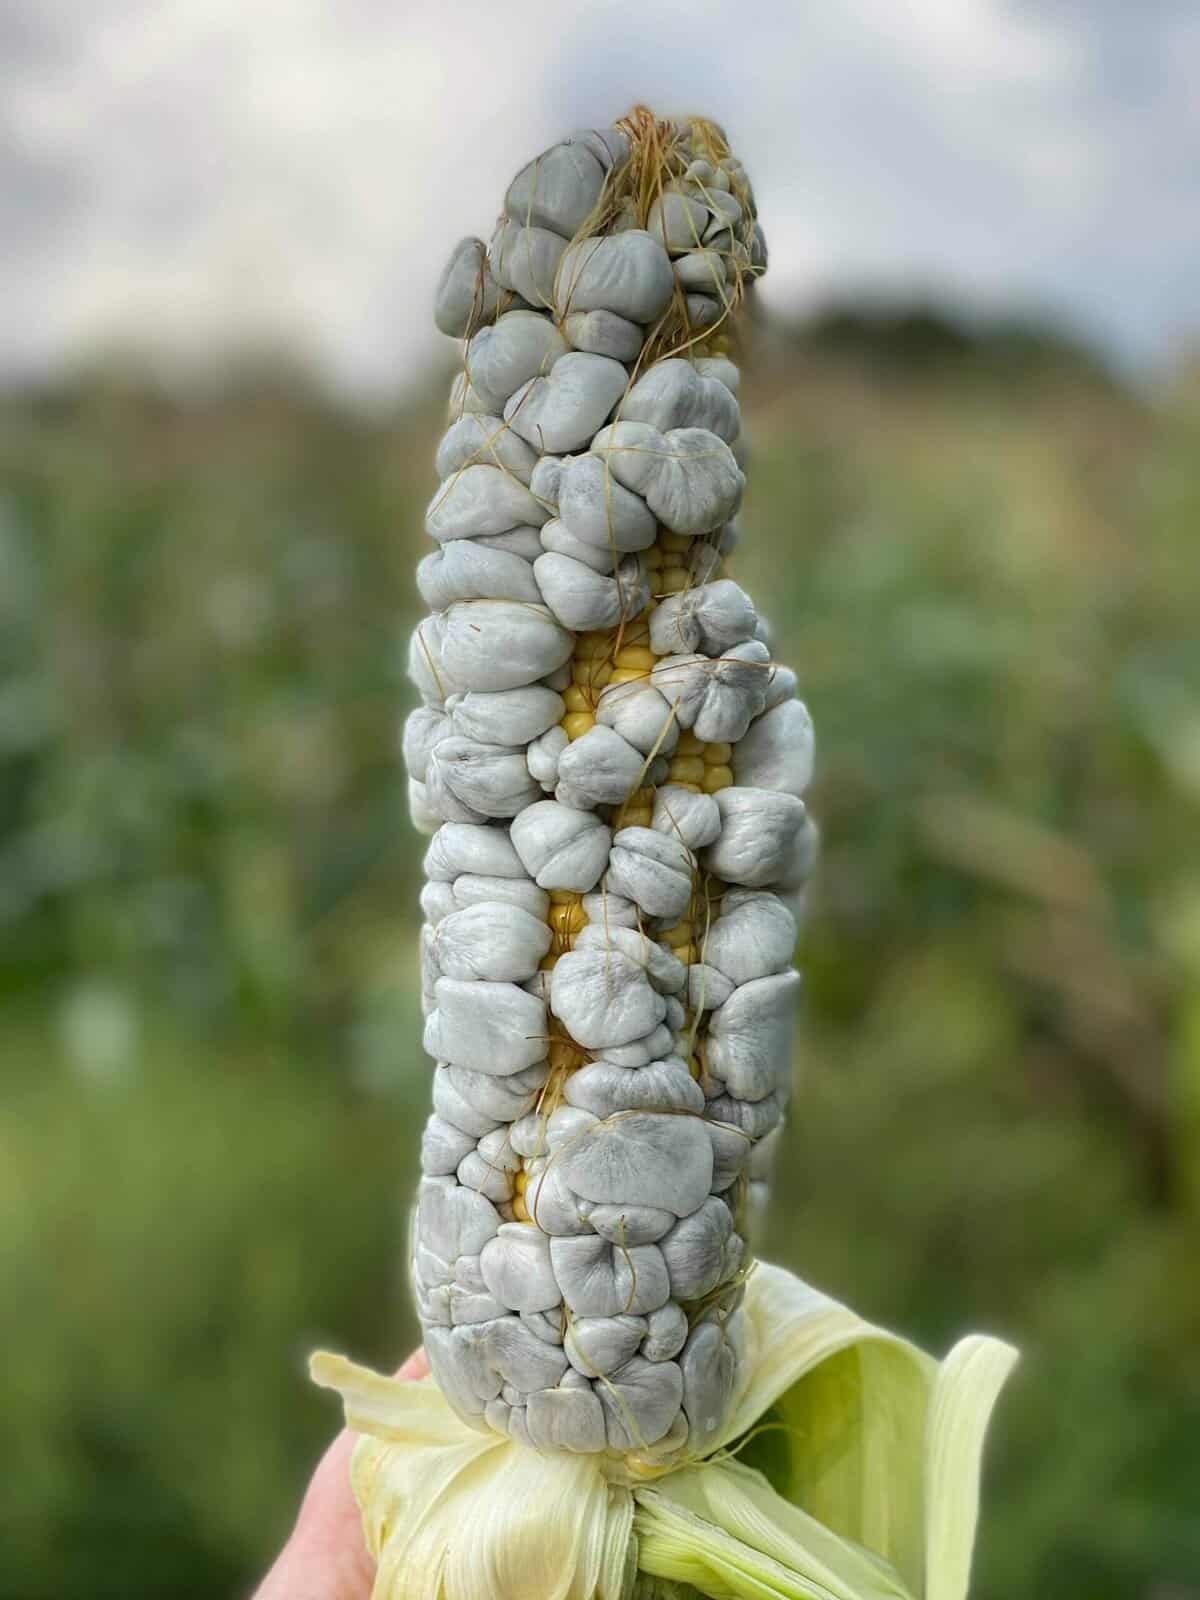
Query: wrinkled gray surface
x=674, y=394
x=562, y=410
x=687, y=476
x=580, y=1232
x=626, y=273
x=518, y=346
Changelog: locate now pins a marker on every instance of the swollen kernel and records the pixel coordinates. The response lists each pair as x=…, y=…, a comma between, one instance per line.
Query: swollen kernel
x=717, y=778
x=576, y=723
x=718, y=755
x=686, y=769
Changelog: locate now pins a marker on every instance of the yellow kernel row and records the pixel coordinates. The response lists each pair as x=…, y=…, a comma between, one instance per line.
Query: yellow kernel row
x=637, y=811
x=639, y=657
x=590, y=673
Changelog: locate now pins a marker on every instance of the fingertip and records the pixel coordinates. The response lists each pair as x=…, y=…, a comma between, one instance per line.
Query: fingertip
x=417, y=1365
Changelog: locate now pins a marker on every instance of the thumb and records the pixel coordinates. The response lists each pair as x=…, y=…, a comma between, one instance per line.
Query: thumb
x=325, y=1557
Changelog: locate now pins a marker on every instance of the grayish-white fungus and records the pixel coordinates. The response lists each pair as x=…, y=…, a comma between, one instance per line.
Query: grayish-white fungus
x=518, y=346
x=611, y=767
x=562, y=411
x=626, y=273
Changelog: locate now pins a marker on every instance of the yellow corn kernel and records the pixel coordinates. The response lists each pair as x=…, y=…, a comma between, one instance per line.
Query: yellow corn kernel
x=674, y=541
x=687, y=954
x=692, y=788
x=652, y=557
x=519, y=1208
x=592, y=644
x=636, y=631
x=673, y=581
x=635, y=655
x=686, y=769
x=679, y=935
x=546, y=964
x=636, y=817
x=717, y=778
x=576, y=698
x=639, y=804
x=520, y=1180
x=628, y=675
x=564, y=897
x=697, y=1072
x=576, y=723
x=566, y=921
x=591, y=675
x=689, y=745
x=717, y=755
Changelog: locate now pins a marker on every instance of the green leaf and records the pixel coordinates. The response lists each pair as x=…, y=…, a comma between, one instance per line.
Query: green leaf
x=722, y=1527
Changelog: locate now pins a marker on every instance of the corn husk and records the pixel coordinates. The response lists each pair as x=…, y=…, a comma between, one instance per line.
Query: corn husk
x=848, y=1469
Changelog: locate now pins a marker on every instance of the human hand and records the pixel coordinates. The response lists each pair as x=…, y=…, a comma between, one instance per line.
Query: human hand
x=325, y=1557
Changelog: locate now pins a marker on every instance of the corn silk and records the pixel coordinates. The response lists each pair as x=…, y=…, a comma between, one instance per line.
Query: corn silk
x=622, y=1403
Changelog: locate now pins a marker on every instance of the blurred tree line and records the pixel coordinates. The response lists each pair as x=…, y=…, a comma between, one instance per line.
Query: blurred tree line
x=979, y=550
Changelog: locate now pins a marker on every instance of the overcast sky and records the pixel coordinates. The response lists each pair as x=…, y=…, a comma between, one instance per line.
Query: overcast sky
x=192, y=174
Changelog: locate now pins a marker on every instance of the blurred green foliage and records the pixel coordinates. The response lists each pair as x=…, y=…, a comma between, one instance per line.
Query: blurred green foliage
x=986, y=575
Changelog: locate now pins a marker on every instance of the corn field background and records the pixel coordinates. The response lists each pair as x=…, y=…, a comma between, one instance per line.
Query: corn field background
x=981, y=555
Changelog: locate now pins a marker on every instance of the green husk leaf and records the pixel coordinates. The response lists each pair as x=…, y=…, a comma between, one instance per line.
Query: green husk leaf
x=871, y=1455
x=724, y=1528
x=966, y=1389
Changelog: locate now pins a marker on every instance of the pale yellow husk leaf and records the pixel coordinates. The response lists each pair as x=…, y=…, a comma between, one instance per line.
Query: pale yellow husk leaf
x=875, y=1454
